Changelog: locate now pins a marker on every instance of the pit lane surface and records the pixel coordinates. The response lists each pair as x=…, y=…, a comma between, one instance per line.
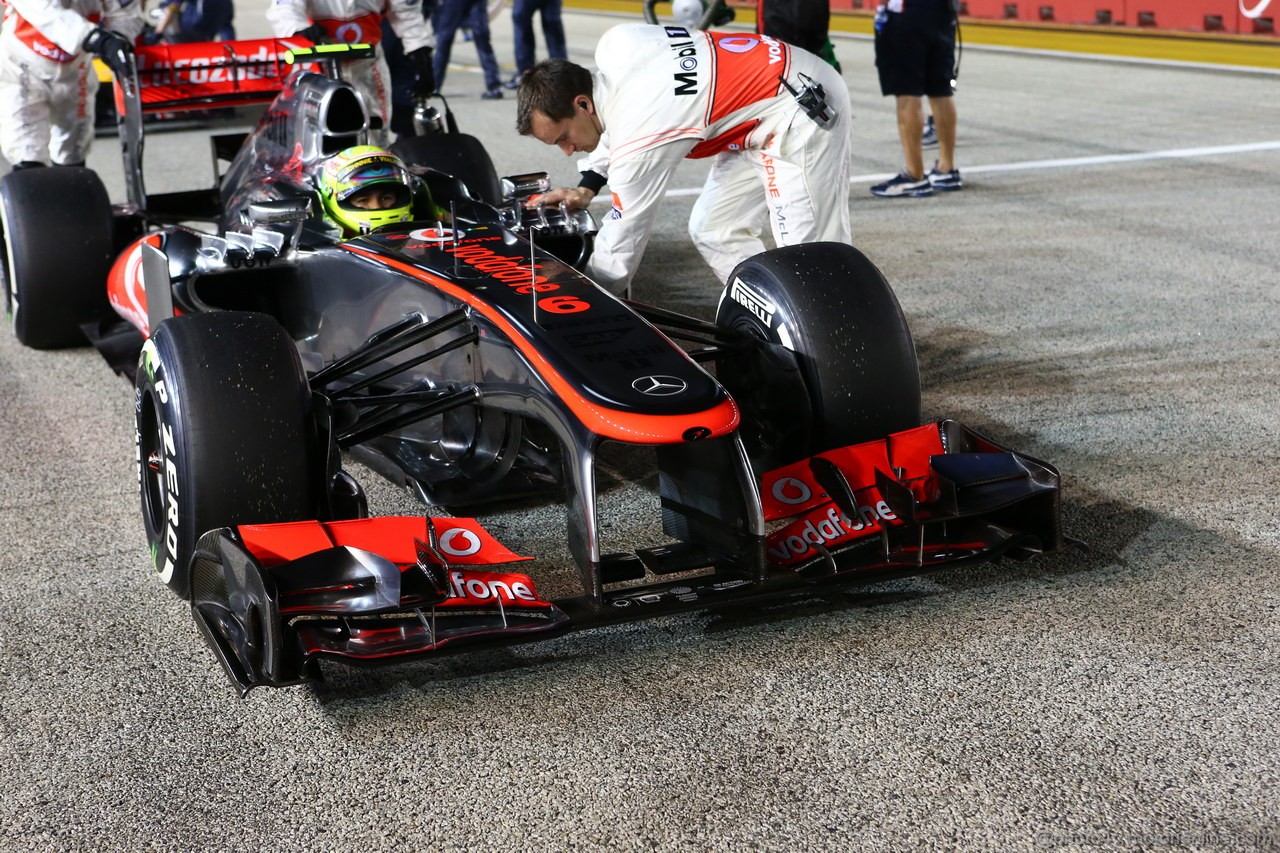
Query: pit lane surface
x=1116, y=315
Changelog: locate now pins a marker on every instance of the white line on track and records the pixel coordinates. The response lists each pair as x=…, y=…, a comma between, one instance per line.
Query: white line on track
x=1068, y=162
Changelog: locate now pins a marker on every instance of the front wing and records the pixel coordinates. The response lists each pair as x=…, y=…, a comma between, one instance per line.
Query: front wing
x=273, y=600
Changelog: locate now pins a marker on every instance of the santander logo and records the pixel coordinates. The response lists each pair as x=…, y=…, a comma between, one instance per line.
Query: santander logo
x=1257, y=9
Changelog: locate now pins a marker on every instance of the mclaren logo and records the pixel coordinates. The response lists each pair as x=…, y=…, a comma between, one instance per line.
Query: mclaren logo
x=659, y=386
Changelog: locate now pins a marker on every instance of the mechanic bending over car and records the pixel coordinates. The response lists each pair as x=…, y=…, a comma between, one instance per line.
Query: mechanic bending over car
x=366, y=187
x=360, y=22
x=775, y=118
x=47, y=82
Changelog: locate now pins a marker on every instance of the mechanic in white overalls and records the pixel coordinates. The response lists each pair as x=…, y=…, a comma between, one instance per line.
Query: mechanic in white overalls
x=775, y=118
x=47, y=81
x=360, y=22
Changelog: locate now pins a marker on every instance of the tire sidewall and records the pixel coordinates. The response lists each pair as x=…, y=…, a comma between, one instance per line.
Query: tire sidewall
x=223, y=434
x=831, y=307
x=168, y=513
x=58, y=248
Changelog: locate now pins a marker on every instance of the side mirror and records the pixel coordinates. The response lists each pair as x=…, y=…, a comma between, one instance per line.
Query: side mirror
x=278, y=211
x=521, y=187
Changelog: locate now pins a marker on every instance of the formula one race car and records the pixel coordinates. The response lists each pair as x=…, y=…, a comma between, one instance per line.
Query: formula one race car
x=465, y=356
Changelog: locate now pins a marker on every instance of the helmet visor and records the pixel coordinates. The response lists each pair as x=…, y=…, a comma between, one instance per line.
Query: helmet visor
x=384, y=195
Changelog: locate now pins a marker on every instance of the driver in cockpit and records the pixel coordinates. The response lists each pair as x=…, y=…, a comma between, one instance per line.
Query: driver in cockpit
x=366, y=187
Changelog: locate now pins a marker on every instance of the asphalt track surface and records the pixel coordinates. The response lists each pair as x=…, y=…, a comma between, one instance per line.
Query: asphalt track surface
x=1103, y=295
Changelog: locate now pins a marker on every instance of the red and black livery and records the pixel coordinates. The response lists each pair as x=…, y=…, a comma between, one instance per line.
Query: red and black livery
x=468, y=359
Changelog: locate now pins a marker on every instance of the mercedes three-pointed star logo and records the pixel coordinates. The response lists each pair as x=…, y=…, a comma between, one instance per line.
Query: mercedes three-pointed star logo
x=659, y=386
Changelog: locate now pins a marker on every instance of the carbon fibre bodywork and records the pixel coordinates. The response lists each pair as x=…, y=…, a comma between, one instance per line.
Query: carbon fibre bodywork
x=467, y=358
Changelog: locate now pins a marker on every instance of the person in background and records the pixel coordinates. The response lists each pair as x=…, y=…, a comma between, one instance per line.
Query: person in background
x=522, y=12
x=360, y=22
x=452, y=15
x=47, y=82
x=404, y=76
x=775, y=119
x=915, y=54
x=194, y=20
x=803, y=23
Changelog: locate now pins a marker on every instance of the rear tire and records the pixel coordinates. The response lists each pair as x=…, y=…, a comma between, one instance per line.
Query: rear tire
x=853, y=376
x=56, y=224
x=458, y=154
x=224, y=433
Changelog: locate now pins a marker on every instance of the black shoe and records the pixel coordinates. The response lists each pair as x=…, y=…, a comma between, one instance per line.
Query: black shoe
x=494, y=94
x=513, y=83
x=929, y=137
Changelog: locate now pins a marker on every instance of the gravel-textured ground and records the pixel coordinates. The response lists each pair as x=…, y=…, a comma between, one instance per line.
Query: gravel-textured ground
x=1116, y=318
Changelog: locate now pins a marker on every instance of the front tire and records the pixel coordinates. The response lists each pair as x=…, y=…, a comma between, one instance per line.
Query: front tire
x=224, y=433
x=56, y=224
x=836, y=365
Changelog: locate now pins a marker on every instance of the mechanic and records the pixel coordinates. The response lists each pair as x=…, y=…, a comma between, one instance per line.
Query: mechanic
x=775, y=118
x=47, y=81
x=360, y=22
x=366, y=187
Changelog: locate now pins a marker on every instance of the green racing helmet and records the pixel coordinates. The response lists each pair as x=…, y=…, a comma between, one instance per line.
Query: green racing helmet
x=364, y=187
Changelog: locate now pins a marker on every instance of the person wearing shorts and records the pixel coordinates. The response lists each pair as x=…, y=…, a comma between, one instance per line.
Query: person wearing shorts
x=915, y=56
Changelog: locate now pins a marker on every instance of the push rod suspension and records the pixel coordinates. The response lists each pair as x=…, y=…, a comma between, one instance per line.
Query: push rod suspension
x=392, y=343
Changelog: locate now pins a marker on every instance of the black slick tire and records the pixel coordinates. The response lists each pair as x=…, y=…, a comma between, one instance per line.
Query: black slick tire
x=852, y=374
x=224, y=433
x=57, y=226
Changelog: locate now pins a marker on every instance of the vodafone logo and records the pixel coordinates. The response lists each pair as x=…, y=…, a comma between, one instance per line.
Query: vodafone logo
x=740, y=44
x=459, y=542
x=1257, y=9
x=436, y=235
x=474, y=588
x=790, y=491
x=350, y=33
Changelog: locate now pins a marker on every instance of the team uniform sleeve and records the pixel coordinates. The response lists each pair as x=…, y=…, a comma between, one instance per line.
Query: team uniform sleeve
x=639, y=183
x=123, y=18
x=408, y=22
x=287, y=17
x=595, y=166
x=64, y=27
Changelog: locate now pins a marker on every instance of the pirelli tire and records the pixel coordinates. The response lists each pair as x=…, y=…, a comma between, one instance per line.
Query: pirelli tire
x=458, y=154
x=57, y=230
x=224, y=433
x=837, y=364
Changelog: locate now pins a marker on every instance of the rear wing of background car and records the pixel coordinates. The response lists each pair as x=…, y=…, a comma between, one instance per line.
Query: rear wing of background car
x=170, y=78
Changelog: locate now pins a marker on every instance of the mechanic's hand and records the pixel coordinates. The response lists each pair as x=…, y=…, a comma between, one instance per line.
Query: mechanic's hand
x=315, y=34
x=422, y=59
x=114, y=49
x=576, y=197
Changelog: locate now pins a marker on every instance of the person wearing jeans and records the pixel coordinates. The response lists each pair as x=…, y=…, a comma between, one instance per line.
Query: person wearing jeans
x=522, y=12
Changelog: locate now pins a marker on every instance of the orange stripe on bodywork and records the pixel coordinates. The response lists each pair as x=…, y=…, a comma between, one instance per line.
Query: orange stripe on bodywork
x=125, y=289
x=601, y=420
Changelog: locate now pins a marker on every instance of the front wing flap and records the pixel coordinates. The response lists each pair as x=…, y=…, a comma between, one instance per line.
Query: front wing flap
x=272, y=600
